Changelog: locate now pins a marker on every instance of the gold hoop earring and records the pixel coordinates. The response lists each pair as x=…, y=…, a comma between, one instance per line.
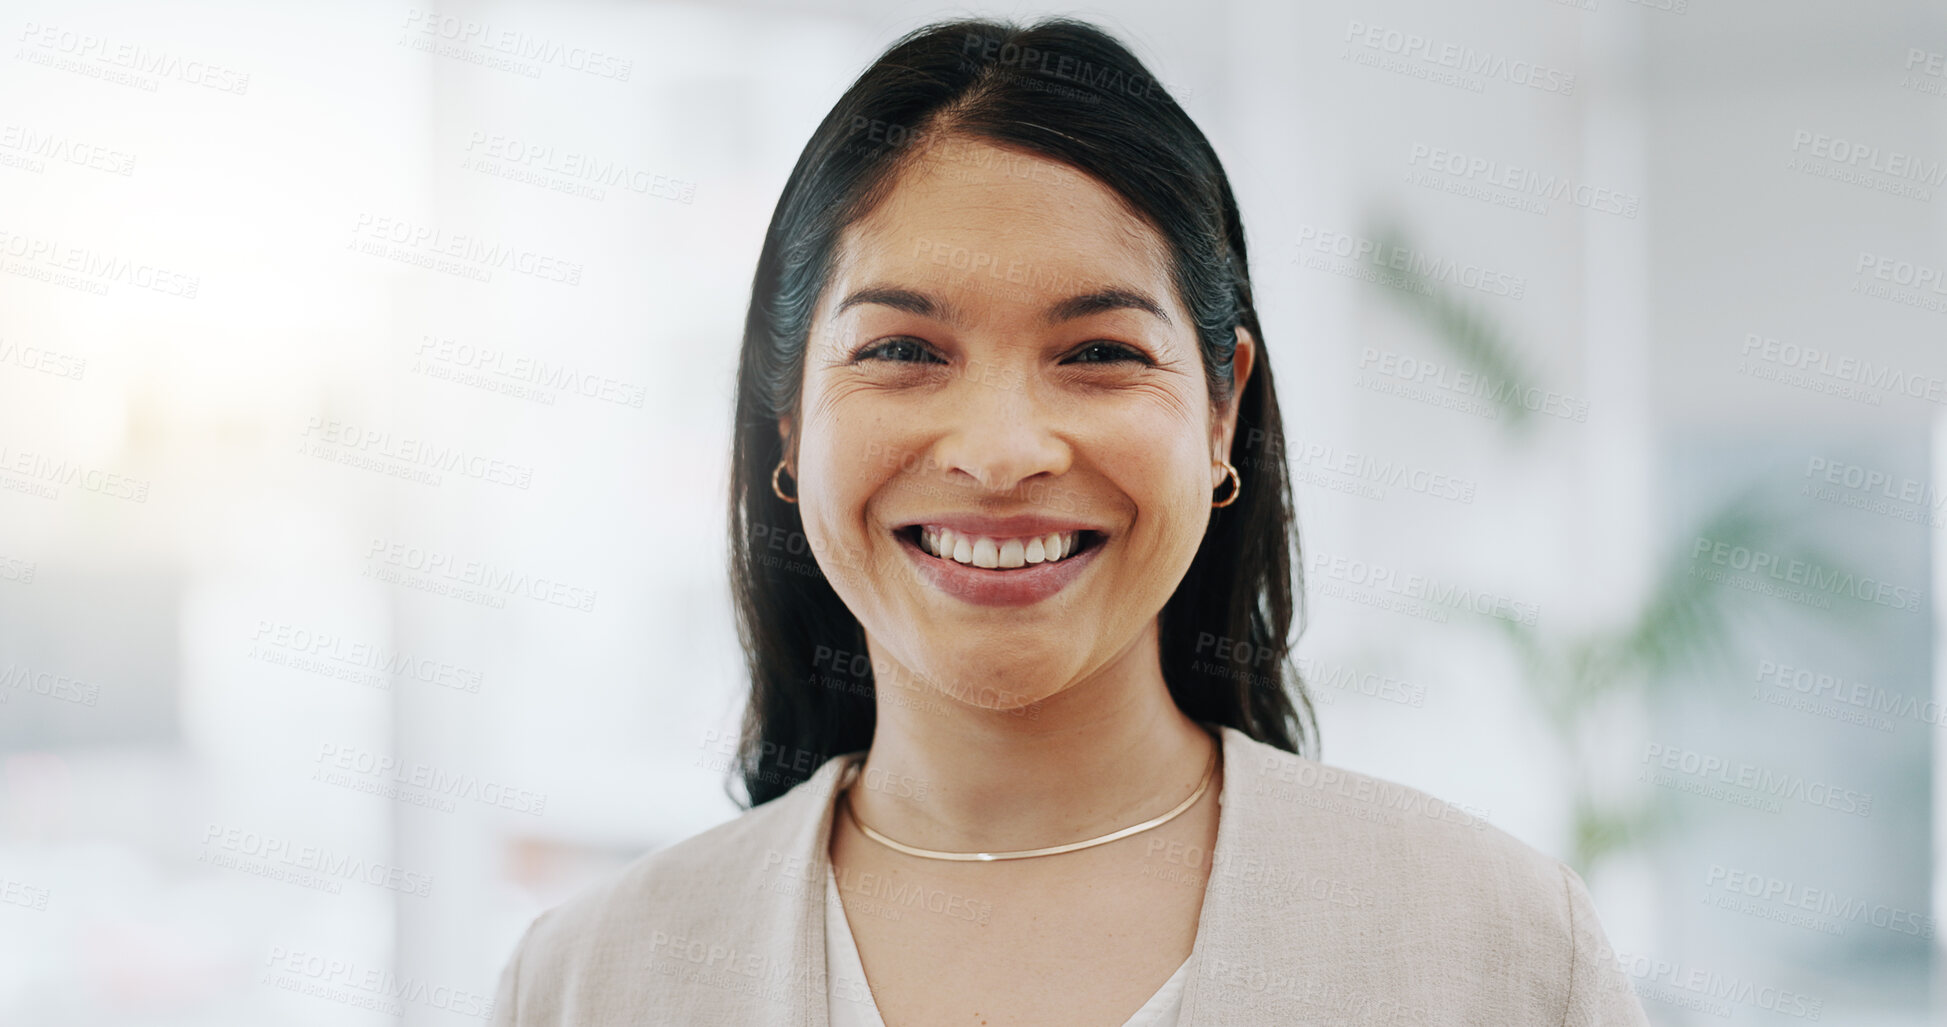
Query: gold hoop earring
x=1237, y=486
x=779, y=489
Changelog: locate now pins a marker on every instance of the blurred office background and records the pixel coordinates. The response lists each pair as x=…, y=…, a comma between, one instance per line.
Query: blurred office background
x=1610, y=342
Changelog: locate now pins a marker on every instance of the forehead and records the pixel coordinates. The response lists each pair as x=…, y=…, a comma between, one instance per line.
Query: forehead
x=1000, y=226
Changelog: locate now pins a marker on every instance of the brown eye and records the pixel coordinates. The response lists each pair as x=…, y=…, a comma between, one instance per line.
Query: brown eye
x=900, y=351
x=1107, y=352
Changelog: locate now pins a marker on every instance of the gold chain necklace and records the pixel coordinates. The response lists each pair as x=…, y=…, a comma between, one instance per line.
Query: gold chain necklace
x=1209, y=770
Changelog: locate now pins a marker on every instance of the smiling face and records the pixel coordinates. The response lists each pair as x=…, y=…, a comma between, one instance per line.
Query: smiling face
x=1001, y=370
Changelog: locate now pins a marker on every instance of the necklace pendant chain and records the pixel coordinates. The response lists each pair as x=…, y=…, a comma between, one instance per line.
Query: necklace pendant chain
x=1209, y=770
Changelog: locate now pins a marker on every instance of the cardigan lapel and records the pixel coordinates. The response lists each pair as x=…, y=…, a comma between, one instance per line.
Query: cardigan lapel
x=809, y=847
x=1224, y=913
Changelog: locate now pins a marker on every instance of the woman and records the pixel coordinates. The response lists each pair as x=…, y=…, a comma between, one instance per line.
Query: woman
x=1021, y=744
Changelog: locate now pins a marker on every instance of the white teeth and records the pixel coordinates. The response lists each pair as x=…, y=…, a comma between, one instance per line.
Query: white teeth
x=999, y=553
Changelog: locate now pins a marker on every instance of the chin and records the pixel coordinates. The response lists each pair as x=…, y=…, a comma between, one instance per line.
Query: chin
x=997, y=689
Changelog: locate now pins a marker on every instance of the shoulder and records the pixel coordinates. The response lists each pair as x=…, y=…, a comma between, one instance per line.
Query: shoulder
x=726, y=896
x=1391, y=825
x=1405, y=837
x=1435, y=883
x=1399, y=882
x=656, y=884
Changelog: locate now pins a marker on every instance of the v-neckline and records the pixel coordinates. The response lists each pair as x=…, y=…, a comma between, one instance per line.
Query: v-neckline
x=843, y=965
x=1174, y=993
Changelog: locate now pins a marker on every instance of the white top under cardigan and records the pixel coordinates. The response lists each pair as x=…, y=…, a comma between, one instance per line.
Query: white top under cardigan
x=846, y=974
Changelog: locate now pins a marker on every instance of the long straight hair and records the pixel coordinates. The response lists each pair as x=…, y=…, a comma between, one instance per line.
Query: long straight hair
x=1068, y=92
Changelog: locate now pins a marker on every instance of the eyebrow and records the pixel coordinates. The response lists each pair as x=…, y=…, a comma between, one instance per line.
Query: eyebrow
x=1104, y=300
x=899, y=299
x=919, y=303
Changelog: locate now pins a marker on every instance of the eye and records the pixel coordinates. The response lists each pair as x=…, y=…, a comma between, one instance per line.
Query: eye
x=902, y=350
x=1108, y=352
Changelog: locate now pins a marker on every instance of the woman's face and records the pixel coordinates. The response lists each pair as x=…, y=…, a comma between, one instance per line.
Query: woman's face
x=1000, y=370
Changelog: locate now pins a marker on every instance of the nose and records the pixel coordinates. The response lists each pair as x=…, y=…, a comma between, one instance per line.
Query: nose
x=998, y=435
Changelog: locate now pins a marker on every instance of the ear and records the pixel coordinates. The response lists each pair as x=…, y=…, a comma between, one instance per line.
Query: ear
x=1225, y=428
x=784, y=426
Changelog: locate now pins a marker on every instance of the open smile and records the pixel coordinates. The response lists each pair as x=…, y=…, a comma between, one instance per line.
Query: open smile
x=999, y=572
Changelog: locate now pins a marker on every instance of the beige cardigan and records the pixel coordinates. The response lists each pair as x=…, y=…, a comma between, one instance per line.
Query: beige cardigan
x=1333, y=898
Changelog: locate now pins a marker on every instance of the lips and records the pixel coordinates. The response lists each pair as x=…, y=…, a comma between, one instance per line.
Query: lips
x=1016, y=526
x=982, y=586
x=999, y=553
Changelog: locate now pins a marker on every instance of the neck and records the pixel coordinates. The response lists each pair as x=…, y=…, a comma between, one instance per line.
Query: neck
x=1111, y=750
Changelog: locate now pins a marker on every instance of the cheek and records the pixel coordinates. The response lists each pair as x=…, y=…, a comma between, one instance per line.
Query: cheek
x=843, y=464
x=1159, y=463
x=854, y=438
